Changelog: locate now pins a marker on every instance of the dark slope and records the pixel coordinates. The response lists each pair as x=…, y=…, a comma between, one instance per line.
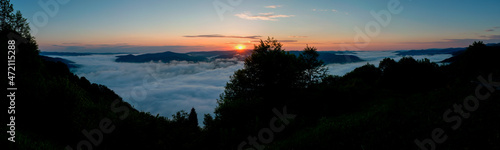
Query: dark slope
x=453, y=51
x=74, y=53
x=164, y=57
x=330, y=58
x=55, y=108
x=429, y=51
x=385, y=107
x=327, y=57
x=392, y=106
x=68, y=63
x=191, y=56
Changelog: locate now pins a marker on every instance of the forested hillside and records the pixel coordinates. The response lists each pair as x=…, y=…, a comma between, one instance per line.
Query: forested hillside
x=401, y=104
x=278, y=100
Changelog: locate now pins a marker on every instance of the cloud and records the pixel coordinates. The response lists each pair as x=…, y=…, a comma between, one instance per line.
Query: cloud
x=487, y=39
x=310, y=43
x=445, y=41
x=243, y=42
x=166, y=87
x=374, y=57
x=169, y=87
x=330, y=10
x=350, y=43
x=72, y=48
x=493, y=37
x=297, y=36
x=325, y=10
x=262, y=16
x=71, y=43
x=273, y=6
x=492, y=29
x=465, y=42
x=223, y=36
x=287, y=41
x=283, y=41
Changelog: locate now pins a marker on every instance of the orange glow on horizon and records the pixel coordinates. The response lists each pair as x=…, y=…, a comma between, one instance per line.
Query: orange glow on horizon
x=240, y=47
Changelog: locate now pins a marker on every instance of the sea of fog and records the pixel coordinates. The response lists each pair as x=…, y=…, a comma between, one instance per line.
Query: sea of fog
x=165, y=88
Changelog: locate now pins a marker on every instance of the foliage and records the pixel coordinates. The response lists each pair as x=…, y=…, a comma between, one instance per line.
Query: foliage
x=54, y=105
x=369, y=108
x=193, y=118
x=13, y=21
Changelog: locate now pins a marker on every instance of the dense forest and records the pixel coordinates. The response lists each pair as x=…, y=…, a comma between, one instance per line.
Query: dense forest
x=278, y=100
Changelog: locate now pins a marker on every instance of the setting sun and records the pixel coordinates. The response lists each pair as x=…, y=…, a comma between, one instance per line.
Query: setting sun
x=240, y=47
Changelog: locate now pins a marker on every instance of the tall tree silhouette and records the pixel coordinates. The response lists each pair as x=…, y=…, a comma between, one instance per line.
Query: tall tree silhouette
x=193, y=118
x=271, y=78
x=315, y=69
x=6, y=14
x=21, y=25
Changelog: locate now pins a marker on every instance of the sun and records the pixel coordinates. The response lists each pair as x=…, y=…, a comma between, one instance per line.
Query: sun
x=240, y=47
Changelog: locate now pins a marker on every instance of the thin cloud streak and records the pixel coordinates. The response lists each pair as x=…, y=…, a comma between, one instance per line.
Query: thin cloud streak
x=282, y=41
x=325, y=10
x=273, y=6
x=270, y=16
x=222, y=36
x=297, y=36
x=484, y=38
x=492, y=29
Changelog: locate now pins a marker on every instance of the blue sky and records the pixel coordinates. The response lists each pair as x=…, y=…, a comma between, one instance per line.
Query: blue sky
x=195, y=25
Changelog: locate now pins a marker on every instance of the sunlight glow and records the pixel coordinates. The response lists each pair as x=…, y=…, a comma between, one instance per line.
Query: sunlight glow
x=240, y=47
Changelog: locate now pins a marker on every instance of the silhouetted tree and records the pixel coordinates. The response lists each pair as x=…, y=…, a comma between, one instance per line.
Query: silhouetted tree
x=271, y=77
x=14, y=22
x=21, y=25
x=270, y=68
x=478, y=44
x=6, y=14
x=386, y=64
x=315, y=69
x=208, y=121
x=410, y=75
x=193, y=118
x=180, y=117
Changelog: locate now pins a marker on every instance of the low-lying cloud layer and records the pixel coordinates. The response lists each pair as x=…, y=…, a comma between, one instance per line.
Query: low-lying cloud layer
x=165, y=88
x=374, y=57
x=160, y=88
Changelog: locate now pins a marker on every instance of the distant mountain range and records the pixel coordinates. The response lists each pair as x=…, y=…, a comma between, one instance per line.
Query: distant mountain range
x=164, y=57
x=327, y=57
x=430, y=51
x=75, y=53
x=335, y=57
x=69, y=63
x=437, y=51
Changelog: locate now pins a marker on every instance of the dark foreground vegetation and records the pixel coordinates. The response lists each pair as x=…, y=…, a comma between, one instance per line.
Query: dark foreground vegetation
x=277, y=101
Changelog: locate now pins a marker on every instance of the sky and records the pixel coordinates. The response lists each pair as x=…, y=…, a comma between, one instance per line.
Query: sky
x=130, y=26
